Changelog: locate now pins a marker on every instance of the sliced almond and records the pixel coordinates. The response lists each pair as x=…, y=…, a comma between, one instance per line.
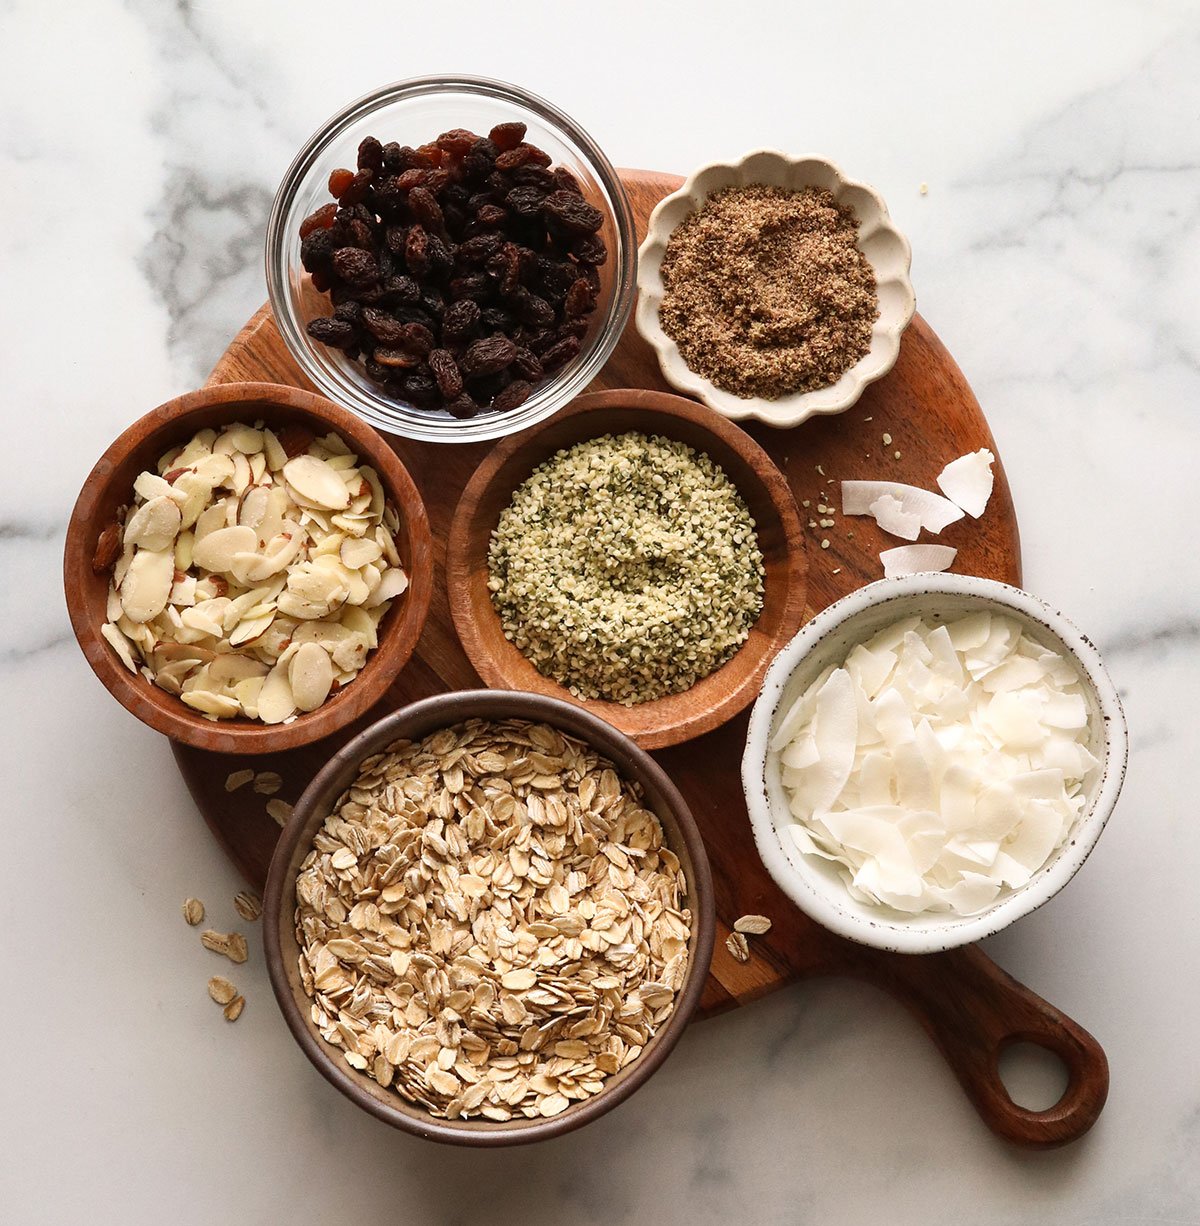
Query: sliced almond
x=147, y=584
x=310, y=674
x=218, y=706
x=252, y=508
x=120, y=644
x=149, y=485
x=275, y=700
x=393, y=584
x=154, y=525
x=217, y=550
x=316, y=483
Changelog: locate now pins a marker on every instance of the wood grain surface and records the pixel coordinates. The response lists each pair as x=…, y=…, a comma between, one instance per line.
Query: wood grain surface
x=970, y=1008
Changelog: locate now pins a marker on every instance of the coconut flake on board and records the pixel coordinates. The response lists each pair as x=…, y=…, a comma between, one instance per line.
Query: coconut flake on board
x=916, y=560
x=899, y=503
x=939, y=765
x=968, y=481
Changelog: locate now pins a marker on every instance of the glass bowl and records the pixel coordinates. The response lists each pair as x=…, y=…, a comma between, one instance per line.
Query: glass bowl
x=415, y=112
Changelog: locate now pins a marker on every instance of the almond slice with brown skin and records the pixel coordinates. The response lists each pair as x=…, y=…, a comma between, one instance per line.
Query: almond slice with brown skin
x=316, y=483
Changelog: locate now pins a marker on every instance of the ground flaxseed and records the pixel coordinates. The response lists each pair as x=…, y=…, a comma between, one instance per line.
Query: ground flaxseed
x=767, y=292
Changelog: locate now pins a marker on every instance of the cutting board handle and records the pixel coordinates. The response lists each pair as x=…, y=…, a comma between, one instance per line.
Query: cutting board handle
x=973, y=1010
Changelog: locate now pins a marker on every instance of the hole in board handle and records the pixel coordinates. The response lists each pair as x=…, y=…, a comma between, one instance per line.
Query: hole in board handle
x=1033, y=1076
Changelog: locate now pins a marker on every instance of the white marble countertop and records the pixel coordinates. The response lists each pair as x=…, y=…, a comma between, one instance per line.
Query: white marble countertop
x=1057, y=253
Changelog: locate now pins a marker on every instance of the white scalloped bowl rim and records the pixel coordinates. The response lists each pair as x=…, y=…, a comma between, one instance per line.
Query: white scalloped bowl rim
x=814, y=886
x=889, y=254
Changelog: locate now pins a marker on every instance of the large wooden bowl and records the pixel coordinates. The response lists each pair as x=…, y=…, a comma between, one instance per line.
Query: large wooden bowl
x=719, y=696
x=419, y=719
x=109, y=487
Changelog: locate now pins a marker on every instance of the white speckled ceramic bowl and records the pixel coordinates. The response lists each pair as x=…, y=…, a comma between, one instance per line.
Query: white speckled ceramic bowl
x=883, y=245
x=812, y=883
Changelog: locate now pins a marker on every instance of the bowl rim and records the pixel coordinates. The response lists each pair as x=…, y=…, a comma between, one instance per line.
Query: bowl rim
x=312, y=808
x=374, y=407
x=924, y=934
x=786, y=411
x=400, y=636
x=462, y=577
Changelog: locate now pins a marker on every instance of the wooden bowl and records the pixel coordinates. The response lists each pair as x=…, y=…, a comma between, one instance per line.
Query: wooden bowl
x=109, y=487
x=722, y=694
x=417, y=720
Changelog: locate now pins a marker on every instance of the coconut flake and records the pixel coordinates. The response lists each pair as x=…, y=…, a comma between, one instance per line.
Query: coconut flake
x=968, y=481
x=916, y=560
x=891, y=516
x=933, y=511
x=941, y=766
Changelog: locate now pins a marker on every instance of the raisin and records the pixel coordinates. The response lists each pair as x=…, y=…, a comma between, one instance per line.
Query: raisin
x=457, y=141
x=370, y=154
x=425, y=209
x=535, y=176
x=418, y=338
x=322, y=219
x=393, y=157
x=591, y=249
x=357, y=188
x=539, y=341
x=316, y=250
x=416, y=252
x=491, y=215
x=560, y=353
x=395, y=237
x=351, y=312
x=429, y=155
x=382, y=326
x=484, y=388
x=497, y=319
x=461, y=319
x=334, y=332
x=397, y=358
x=581, y=298
x=527, y=364
x=420, y=388
x=402, y=289
x=480, y=159
x=573, y=327
x=532, y=310
x=339, y=180
x=569, y=214
x=512, y=158
x=525, y=201
x=361, y=235
x=446, y=373
x=507, y=136
x=475, y=285
x=441, y=257
x=566, y=181
x=462, y=406
x=476, y=250
x=516, y=393
x=355, y=265
x=488, y=356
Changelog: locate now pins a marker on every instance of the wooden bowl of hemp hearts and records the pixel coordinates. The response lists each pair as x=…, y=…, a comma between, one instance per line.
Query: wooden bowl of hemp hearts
x=637, y=555
x=773, y=288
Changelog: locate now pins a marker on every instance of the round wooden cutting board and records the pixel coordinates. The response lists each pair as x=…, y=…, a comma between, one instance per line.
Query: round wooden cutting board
x=970, y=1008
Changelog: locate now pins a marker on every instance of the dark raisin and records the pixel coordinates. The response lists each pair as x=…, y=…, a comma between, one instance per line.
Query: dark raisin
x=445, y=371
x=395, y=237
x=591, y=274
x=516, y=393
x=323, y=280
x=322, y=219
x=402, y=289
x=461, y=319
x=418, y=338
x=576, y=327
x=512, y=158
x=382, y=326
x=420, y=388
x=474, y=285
x=455, y=194
x=570, y=215
x=433, y=301
x=561, y=353
x=335, y=332
x=535, y=176
x=591, y=249
x=456, y=220
x=532, y=310
x=439, y=254
x=580, y=298
x=527, y=364
x=316, y=251
x=462, y=406
x=350, y=311
x=339, y=180
x=416, y=252
x=397, y=358
x=476, y=250
x=357, y=188
x=491, y=215
x=488, y=356
x=480, y=159
x=414, y=315
x=487, y=386
x=370, y=154
x=457, y=141
x=525, y=201
x=425, y=209
x=355, y=265
x=539, y=341
x=361, y=235
x=566, y=181
x=393, y=157
x=496, y=319
x=507, y=135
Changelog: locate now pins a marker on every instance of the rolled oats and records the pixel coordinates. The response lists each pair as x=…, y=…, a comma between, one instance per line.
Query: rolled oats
x=754, y=925
x=231, y=944
x=738, y=946
x=490, y=922
x=247, y=905
x=193, y=911
x=221, y=990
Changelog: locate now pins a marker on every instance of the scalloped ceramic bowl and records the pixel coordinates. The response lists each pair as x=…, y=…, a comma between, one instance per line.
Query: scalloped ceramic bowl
x=813, y=884
x=878, y=239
